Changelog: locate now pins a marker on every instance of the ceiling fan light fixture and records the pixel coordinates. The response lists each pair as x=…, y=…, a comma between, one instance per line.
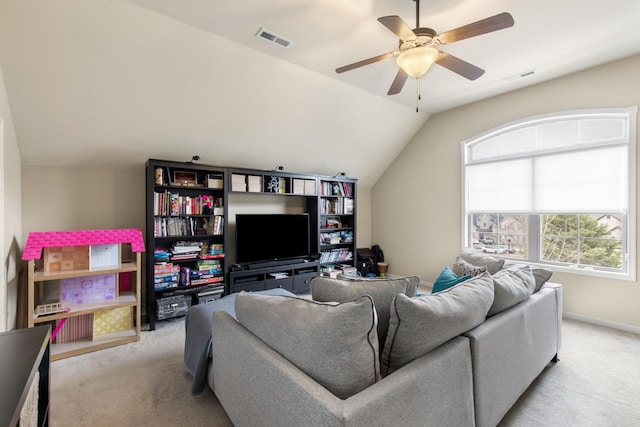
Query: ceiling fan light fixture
x=417, y=60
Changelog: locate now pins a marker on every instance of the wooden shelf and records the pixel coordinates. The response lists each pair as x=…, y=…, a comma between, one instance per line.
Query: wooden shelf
x=43, y=276
x=126, y=299
x=74, y=348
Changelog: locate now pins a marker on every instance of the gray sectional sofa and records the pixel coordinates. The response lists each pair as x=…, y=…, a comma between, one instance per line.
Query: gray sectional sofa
x=281, y=360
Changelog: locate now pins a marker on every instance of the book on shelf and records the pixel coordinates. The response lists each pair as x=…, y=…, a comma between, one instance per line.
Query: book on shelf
x=205, y=281
x=336, y=255
x=173, y=204
x=336, y=188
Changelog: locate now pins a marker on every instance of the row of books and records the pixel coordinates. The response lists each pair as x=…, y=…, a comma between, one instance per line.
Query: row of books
x=336, y=255
x=182, y=226
x=337, y=206
x=166, y=275
x=169, y=276
x=343, y=189
x=167, y=203
x=337, y=237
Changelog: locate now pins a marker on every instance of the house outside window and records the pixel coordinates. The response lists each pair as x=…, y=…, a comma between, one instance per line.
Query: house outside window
x=556, y=190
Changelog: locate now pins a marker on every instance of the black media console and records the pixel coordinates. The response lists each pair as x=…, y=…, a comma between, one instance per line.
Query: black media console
x=292, y=277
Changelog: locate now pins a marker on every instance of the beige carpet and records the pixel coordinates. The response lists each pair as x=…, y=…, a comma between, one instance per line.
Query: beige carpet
x=596, y=383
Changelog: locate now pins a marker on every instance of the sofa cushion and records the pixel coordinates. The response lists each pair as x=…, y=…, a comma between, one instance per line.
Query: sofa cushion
x=418, y=325
x=464, y=268
x=412, y=282
x=336, y=344
x=541, y=275
x=511, y=286
x=493, y=264
x=382, y=291
x=447, y=279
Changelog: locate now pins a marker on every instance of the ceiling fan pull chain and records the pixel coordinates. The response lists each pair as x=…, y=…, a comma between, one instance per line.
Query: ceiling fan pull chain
x=418, y=90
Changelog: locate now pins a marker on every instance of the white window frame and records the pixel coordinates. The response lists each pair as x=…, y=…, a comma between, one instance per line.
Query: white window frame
x=629, y=238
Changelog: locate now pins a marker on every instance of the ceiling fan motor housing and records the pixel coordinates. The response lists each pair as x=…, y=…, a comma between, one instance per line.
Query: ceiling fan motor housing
x=424, y=37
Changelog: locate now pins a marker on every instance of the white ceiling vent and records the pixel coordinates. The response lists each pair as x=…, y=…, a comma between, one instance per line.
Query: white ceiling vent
x=272, y=37
x=520, y=75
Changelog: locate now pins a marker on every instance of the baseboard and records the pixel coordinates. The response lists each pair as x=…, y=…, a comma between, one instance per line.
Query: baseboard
x=600, y=322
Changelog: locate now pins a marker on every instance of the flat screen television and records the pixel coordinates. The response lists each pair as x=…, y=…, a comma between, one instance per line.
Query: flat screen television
x=271, y=237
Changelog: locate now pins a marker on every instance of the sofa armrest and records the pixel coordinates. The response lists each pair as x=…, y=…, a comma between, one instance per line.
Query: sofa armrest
x=257, y=386
x=510, y=349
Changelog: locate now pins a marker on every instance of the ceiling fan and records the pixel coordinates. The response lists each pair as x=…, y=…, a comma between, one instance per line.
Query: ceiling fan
x=418, y=47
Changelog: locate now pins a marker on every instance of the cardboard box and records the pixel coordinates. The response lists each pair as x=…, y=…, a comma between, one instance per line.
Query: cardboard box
x=214, y=183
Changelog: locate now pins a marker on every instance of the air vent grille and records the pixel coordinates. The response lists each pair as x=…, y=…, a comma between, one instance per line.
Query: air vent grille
x=520, y=75
x=274, y=38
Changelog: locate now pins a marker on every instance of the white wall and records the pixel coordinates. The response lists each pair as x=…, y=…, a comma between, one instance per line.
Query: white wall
x=10, y=214
x=416, y=204
x=58, y=199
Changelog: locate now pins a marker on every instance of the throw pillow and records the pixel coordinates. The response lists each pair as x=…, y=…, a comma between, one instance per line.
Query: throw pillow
x=492, y=263
x=463, y=268
x=447, y=279
x=336, y=344
x=419, y=325
x=511, y=286
x=541, y=275
x=382, y=291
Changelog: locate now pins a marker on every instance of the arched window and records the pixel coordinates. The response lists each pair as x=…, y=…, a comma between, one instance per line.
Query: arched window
x=557, y=189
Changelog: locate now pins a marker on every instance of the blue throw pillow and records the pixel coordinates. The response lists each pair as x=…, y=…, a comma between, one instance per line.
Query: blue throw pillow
x=447, y=279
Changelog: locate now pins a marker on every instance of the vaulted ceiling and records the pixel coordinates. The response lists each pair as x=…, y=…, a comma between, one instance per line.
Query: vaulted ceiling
x=110, y=83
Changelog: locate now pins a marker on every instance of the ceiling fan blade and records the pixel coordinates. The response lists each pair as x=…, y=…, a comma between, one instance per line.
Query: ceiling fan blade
x=398, y=27
x=398, y=82
x=487, y=25
x=459, y=66
x=365, y=62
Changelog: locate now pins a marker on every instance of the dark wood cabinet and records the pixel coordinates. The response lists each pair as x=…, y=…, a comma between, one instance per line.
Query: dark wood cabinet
x=330, y=202
x=292, y=277
x=24, y=375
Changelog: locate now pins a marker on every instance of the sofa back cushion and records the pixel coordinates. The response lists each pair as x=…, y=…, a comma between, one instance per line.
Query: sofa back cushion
x=492, y=263
x=382, y=291
x=419, y=325
x=511, y=286
x=336, y=344
x=540, y=274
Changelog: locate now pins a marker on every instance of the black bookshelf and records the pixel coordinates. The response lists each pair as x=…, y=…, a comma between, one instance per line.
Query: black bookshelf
x=186, y=213
x=330, y=201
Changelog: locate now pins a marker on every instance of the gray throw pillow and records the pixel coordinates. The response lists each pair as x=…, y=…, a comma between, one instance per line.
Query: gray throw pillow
x=492, y=263
x=336, y=344
x=511, y=286
x=419, y=325
x=463, y=268
x=541, y=275
x=382, y=291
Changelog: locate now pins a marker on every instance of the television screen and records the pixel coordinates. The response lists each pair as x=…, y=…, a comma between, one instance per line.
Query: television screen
x=271, y=237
